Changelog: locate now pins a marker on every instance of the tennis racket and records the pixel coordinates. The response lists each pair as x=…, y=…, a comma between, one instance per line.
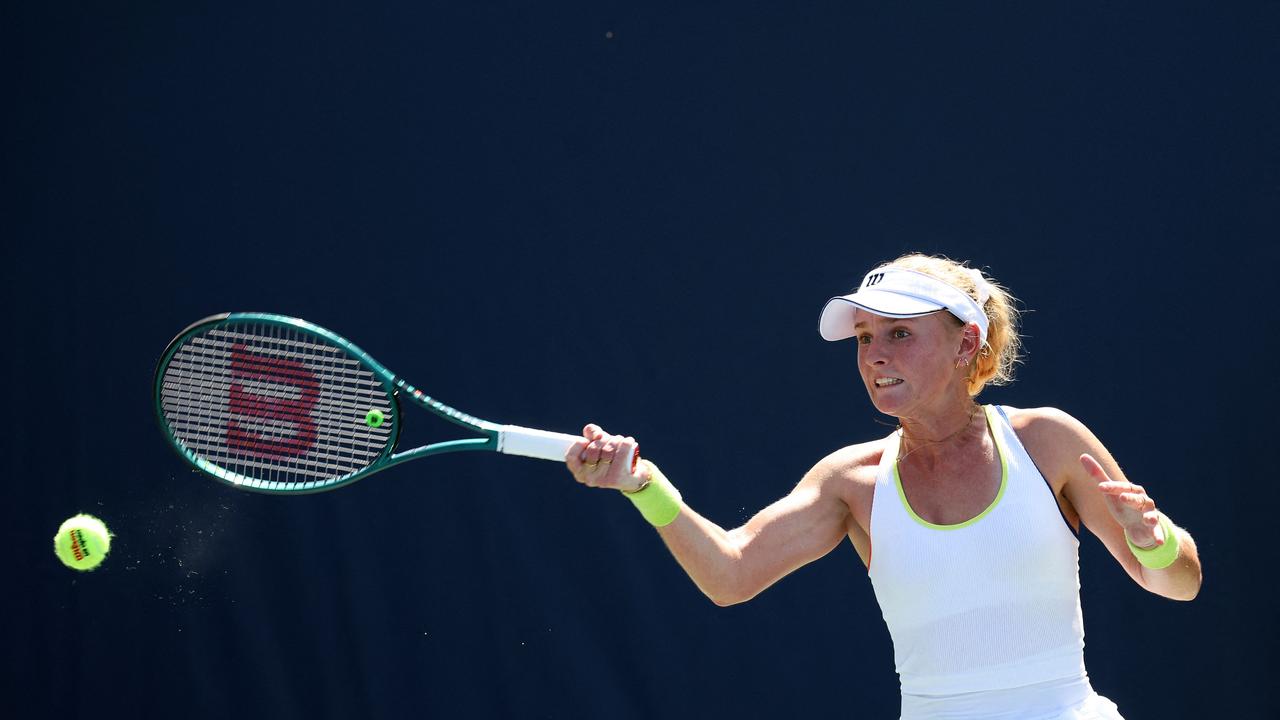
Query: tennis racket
x=276, y=404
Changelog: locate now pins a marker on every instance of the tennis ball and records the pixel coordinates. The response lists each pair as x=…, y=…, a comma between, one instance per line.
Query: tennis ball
x=374, y=418
x=82, y=542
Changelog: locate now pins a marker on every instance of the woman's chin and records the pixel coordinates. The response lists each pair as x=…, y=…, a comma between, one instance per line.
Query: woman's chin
x=887, y=401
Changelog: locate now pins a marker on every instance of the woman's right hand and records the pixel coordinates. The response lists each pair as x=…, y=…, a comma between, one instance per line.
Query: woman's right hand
x=607, y=461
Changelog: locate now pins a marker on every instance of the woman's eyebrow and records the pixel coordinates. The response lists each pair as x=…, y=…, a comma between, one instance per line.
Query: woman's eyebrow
x=863, y=323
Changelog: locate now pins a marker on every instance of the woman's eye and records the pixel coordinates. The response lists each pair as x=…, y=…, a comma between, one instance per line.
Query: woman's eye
x=864, y=339
x=900, y=333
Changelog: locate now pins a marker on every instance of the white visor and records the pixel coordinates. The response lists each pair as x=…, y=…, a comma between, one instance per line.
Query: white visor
x=895, y=292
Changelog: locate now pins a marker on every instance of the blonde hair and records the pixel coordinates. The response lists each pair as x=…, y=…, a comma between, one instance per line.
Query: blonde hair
x=1003, y=349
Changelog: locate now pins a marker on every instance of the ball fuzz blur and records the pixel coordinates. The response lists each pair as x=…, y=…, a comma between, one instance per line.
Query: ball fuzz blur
x=82, y=542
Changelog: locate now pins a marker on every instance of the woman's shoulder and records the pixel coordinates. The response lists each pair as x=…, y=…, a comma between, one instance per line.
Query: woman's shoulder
x=856, y=463
x=1042, y=420
x=1050, y=434
x=849, y=475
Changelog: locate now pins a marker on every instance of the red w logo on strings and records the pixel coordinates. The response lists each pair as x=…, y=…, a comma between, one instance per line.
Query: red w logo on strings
x=294, y=413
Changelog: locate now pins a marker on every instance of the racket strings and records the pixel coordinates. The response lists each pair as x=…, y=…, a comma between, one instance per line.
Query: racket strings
x=280, y=408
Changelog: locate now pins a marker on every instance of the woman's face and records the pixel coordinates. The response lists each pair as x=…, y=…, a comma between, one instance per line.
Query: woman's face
x=908, y=364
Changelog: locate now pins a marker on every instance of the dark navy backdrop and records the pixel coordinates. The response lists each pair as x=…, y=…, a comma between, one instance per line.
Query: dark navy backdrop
x=548, y=213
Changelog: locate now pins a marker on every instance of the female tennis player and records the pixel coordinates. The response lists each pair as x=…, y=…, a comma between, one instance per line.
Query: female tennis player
x=967, y=516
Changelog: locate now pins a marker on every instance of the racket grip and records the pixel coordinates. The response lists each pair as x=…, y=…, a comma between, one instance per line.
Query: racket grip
x=541, y=444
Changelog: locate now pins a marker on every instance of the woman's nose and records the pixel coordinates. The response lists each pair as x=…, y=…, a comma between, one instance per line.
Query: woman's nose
x=872, y=354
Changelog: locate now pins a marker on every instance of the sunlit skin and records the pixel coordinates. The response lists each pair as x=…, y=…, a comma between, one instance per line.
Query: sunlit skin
x=930, y=355
x=929, y=359
x=947, y=461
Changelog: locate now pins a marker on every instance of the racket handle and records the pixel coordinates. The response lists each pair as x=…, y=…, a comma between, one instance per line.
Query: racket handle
x=541, y=444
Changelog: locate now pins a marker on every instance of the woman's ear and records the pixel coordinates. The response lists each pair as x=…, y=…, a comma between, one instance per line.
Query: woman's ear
x=970, y=344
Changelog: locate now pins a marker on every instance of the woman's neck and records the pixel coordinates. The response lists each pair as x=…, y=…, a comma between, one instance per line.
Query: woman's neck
x=936, y=435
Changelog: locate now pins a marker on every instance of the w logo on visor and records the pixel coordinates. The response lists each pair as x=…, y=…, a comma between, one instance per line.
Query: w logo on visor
x=872, y=279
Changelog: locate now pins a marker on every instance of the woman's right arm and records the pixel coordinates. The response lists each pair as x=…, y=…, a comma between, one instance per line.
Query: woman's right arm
x=733, y=566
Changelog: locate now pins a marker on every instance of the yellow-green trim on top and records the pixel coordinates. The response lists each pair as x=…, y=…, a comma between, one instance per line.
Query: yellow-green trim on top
x=988, y=412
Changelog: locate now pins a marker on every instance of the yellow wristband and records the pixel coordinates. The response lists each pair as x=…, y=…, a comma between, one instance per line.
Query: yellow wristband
x=658, y=500
x=1160, y=556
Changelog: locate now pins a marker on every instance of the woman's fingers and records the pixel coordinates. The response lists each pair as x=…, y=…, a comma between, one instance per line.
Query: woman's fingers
x=1129, y=503
x=1129, y=495
x=602, y=460
x=576, y=455
x=1094, y=468
x=593, y=435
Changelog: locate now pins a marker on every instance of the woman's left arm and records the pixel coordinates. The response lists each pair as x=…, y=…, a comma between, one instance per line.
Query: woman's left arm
x=1157, y=554
x=1135, y=530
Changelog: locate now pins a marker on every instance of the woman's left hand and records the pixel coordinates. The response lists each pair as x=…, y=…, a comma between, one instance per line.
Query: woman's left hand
x=1129, y=505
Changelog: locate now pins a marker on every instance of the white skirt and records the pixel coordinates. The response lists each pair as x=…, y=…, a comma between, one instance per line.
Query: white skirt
x=1068, y=699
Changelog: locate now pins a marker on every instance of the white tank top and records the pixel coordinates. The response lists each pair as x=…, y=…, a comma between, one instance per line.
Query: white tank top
x=990, y=604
